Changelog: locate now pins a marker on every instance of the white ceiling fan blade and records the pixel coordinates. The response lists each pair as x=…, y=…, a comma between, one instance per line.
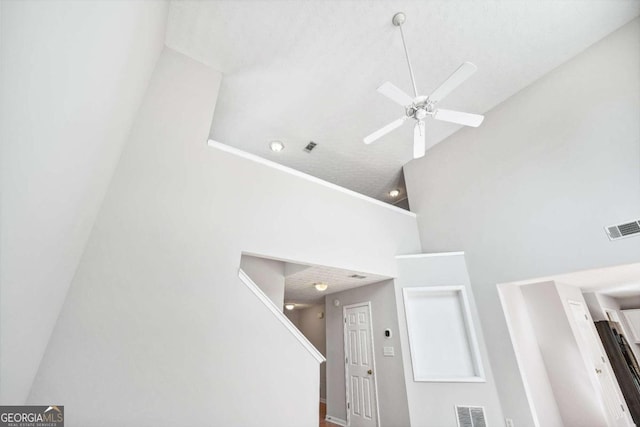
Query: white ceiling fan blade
x=384, y=130
x=392, y=92
x=456, y=79
x=459, y=117
x=419, y=140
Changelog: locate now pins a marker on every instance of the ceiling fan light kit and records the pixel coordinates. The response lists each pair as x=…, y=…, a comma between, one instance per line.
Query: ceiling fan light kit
x=419, y=107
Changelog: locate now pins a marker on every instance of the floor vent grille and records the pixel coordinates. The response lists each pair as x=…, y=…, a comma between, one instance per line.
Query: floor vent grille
x=471, y=416
x=620, y=231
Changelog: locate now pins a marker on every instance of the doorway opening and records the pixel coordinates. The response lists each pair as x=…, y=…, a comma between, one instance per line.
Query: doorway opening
x=316, y=300
x=360, y=365
x=575, y=344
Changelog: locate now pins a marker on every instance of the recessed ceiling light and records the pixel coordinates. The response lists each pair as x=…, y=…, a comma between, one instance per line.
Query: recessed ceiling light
x=276, y=146
x=394, y=193
x=289, y=306
x=320, y=287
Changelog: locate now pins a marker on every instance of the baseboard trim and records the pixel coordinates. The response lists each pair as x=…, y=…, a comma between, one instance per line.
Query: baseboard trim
x=323, y=401
x=336, y=420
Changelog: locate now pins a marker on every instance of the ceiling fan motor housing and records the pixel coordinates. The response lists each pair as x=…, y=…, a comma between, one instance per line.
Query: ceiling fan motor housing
x=420, y=108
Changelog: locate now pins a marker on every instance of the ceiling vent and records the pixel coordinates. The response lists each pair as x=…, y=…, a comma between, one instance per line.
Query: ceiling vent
x=471, y=416
x=310, y=146
x=620, y=231
x=357, y=276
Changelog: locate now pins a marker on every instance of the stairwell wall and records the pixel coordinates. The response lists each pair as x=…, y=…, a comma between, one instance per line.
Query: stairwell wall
x=156, y=321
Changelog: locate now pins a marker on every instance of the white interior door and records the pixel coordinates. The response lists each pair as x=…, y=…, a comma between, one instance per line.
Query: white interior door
x=613, y=402
x=362, y=404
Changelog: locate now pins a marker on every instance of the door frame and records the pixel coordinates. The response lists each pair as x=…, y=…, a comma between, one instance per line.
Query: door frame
x=373, y=359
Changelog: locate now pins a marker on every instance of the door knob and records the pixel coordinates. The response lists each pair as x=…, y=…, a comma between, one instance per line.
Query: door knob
x=369, y=372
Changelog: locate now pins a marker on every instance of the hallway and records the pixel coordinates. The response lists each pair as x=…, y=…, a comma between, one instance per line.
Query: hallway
x=323, y=414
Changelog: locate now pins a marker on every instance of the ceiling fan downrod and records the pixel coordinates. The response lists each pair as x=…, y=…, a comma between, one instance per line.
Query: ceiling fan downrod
x=399, y=19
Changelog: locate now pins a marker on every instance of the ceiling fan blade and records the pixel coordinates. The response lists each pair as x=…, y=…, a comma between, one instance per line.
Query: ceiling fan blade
x=459, y=117
x=392, y=92
x=419, y=140
x=456, y=79
x=384, y=130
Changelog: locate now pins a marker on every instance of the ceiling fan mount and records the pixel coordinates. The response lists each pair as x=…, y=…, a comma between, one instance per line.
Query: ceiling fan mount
x=419, y=107
x=398, y=19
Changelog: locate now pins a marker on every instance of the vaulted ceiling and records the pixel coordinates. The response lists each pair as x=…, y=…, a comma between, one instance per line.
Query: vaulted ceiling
x=300, y=71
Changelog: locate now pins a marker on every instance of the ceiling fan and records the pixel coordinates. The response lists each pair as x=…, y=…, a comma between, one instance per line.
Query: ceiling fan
x=419, y=107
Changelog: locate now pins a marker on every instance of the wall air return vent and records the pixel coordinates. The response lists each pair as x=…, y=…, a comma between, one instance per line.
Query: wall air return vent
x=471, y=416
x=620, y=231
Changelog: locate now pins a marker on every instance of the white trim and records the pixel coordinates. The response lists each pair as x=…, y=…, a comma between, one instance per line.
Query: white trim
x=469, y=325
x=431, y=255
x=280, y=316
x=633, y=325
x=336, y=420
x=346, y=373
x=223, y=147
x=612, y=315
x=516, y=349
x=373, y=357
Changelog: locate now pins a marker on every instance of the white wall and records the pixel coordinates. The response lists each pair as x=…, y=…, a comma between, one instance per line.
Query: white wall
x=291, y=268
x=268, y=274
x=540, y=396
x=576, y=397
x=392, y=393
x=73, y=76
x=527, y=194
x=629, y=302
x=431, y=403
x=314, y=328
x=595, y=306
x=156, y=320
x=294, y=316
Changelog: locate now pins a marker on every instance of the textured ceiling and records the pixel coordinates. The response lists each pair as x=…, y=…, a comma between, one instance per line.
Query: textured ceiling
x=299, y=286
x=298, y=71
